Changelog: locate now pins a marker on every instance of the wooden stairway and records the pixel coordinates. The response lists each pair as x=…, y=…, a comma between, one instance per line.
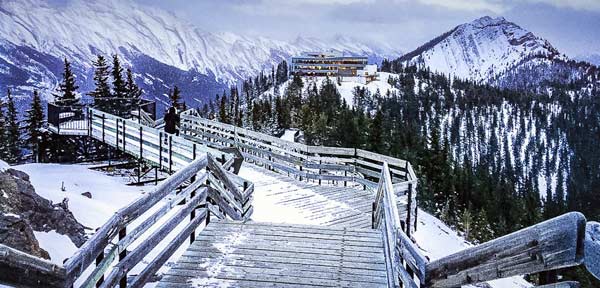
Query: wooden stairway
x=254, y=254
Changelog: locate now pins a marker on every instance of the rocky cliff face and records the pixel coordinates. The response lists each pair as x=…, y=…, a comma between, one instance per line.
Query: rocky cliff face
x=22, y=211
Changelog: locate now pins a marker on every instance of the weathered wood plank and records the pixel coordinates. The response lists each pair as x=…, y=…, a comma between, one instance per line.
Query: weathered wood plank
x=549, y=245
x=592, y=248
x=566, y=284
x=19, y=268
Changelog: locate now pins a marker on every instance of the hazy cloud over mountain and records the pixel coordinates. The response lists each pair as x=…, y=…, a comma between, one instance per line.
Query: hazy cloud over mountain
x=570, y=25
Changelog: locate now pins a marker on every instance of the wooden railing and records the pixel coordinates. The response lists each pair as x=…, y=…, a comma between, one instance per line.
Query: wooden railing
x=106, y=259
x=556, y=243
x=201, y=184
x=157, y=147
x=320, y=164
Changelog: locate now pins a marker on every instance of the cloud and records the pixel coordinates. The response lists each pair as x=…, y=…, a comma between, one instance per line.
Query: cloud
x=582, y=5
x=469, y=5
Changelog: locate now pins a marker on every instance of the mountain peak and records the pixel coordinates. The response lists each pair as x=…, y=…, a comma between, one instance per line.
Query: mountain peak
x=481, y=49
x=488, y=21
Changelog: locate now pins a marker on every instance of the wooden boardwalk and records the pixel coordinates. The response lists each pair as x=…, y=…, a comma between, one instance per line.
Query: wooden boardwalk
x=326, y=205
x=254, y=254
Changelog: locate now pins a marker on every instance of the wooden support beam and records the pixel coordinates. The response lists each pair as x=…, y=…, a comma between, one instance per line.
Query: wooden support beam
x=566, y=284
x=24, y=270
x=592, y=248
x=549, y=245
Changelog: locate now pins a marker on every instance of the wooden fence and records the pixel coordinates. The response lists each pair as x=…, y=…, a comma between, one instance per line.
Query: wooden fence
x=320, y=164
x=553, y=244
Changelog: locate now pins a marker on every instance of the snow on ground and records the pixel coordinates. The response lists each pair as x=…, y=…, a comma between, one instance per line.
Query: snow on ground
x=346, y=87
x=289, y=134
x=109, y=193
x=58, y=246
x=437, y=240
x=3, y=166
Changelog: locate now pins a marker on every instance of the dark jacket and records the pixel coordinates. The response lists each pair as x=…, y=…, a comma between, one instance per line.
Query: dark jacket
x=171, y=122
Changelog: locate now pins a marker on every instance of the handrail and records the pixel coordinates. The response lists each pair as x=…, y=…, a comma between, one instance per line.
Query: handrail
x=398, y=247
x=549, y=245
x=318, y=163
x=95, y=246
x=306, y=162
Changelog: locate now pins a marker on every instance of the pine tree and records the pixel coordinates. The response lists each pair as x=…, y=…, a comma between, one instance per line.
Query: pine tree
x=12, y=130
x=67, y=89
x=133, y=90
x=175, y=97
x=3, y=142
x=119, y=86
x=134, y=93
x=35, y=120
x=223, y=115
x=102, y=91
x=376, y=133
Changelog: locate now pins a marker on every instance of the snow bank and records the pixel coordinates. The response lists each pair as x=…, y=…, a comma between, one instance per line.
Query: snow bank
x=58, y=246
x=3, y=166
x=108, y=193
x=289, y=134
x=437, y=240
x=346, y=87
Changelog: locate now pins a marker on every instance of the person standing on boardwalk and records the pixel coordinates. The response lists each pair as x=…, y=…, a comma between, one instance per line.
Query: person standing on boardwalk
x=172, y=121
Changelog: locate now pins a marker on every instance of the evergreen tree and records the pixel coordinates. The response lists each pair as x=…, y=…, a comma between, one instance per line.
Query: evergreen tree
x=175, y=97
x=119, y=85
x=13, y=140
x=102, y=90
x=223, y=115
x=35, y=120
x=3, y=141
x=67, y=90
x=133, y=90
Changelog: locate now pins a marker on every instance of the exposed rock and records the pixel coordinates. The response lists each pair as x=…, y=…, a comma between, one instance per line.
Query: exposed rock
x=17, y=233
x=18, y=197
x=87, y=194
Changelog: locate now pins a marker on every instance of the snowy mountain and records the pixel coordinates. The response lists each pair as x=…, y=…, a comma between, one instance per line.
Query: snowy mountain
x=496, y=51
x=163, y=50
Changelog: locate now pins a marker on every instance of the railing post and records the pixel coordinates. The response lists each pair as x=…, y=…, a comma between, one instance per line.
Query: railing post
x=192, y=216
x=373, y=209
x=300, y=175
x=345, y=175
x=408, y=209
x=320, y=162
x=141, y=143
x=160, y=149
x=122, y=255
x=124, y=136
x=103, y=119
x=117, y=133
x=170, y=154
x=98, y=261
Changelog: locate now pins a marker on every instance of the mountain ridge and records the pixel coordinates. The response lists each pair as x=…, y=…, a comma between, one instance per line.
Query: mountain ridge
x=36, y=35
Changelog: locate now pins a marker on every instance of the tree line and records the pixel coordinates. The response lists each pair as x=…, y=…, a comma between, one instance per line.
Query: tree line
x=490, y=161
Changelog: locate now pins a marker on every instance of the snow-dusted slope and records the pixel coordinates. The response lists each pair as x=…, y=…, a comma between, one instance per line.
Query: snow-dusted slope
x=345, y=88
x=81, y=29
x=437, y=240
x=481, y=49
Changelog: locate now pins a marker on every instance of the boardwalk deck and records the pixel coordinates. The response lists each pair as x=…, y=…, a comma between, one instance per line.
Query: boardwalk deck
x=255, y=254
x=308, y=202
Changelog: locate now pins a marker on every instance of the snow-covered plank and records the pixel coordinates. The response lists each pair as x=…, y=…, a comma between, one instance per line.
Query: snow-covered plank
x=267, y=254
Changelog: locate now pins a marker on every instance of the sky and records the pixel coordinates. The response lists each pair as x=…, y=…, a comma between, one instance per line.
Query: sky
x=572, y=26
